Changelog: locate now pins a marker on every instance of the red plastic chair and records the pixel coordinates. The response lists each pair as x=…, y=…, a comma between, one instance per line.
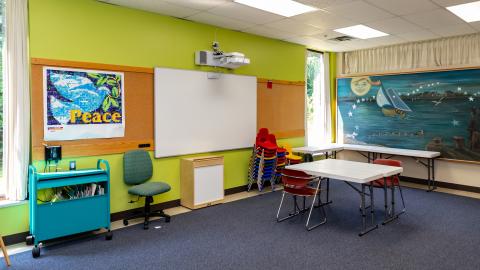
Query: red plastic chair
x=392, y=181
x=262, y=136
x=296, y=183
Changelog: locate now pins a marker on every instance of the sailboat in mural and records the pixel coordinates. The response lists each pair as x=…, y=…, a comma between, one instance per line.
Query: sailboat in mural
x=391, y=103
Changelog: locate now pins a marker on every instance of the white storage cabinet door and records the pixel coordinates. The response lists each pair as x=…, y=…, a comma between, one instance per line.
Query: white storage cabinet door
x=208, y=184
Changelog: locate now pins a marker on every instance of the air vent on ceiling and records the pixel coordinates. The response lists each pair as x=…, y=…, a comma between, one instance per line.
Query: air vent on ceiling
x=342, y=38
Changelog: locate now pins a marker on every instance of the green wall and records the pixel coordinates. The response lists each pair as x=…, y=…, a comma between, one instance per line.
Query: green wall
x=333, y=93
x=89, y=31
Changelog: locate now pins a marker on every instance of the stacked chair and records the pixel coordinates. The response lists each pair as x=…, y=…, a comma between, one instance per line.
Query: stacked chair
x=267, y=160
x=291, y=158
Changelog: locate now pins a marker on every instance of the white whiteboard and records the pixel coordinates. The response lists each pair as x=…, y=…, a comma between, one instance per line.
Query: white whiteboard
x=194, y=114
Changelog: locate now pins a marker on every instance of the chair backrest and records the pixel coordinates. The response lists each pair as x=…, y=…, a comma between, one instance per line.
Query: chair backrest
x=272, y=139
x=287, y=147
x=137, y=167
x=262, y=136
x=295, y=179
x=388, y=162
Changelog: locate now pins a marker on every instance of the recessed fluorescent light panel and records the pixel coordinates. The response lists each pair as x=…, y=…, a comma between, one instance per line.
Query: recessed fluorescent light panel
x=469, y=12
x=361, y=31
x=287, y=8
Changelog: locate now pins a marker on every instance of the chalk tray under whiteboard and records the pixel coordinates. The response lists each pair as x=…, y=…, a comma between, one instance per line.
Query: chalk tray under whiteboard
x=195, y=114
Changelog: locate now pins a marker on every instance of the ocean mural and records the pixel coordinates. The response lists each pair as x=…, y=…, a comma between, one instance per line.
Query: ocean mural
x=83, y=104
x=436, y=111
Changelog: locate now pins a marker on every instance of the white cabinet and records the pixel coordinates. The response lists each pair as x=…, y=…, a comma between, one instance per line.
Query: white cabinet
x=201, y=181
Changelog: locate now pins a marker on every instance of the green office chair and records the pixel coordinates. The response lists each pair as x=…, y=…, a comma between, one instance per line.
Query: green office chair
x=137, y=170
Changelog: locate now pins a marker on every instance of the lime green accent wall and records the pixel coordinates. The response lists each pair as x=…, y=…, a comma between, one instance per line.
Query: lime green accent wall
x=90, y=31
x=14, y=219
x=333, y=93
x=167, y=170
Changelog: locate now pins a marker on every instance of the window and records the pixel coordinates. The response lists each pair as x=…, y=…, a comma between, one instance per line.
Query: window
x=2, y=38
x=317, y=100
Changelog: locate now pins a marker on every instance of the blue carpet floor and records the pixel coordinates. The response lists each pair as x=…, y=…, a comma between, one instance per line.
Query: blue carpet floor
x=439, y=231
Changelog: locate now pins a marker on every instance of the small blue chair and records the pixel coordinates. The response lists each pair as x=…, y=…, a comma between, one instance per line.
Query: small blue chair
x=137, y=170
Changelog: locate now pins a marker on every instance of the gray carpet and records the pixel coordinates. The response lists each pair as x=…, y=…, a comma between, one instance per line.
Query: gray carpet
x=439, y=231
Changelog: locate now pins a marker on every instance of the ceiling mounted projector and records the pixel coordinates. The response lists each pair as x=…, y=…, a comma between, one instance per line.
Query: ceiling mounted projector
x=217, y=58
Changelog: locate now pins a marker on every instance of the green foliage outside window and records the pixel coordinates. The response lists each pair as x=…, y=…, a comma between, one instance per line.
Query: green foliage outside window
x=313, y=71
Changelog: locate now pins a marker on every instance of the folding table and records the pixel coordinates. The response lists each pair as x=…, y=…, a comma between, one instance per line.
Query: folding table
x=352, y=173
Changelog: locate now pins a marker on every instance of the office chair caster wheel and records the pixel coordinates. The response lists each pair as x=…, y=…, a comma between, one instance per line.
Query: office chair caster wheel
x=125, y=222
x=167, y=219
x=145, y=225
x=109, y=235
x=29, y=240
x=36, y=252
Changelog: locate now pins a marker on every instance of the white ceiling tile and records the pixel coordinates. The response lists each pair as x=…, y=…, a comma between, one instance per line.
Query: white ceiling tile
x=157, y=7
x=289, y=25
x=198, y=4
x=387, y=40
x=404, y=7
x=323, y=19
x=394, y=26
x=269, y=32
x=359, y=12
x=304, y=40
x=454, y=30
x=208, y=18
x=434, y=19
x=448, y=3
x=245, y=13
x=418, y=35
x=327, y=34
x=476, y=25
x=324, y=3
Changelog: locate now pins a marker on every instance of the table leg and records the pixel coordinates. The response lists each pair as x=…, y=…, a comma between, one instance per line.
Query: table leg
x=428, y=173
x=431, y=175
x=308, y=157
x=385, y=197
x=328, y=201
x=372, y=206
x=364, y=226
x=366, y=230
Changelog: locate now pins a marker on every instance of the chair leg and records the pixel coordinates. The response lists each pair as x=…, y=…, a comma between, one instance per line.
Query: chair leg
x=309, y=228
x=146, y=214
x=4, y=250
x=401, y=195
x=290, y=215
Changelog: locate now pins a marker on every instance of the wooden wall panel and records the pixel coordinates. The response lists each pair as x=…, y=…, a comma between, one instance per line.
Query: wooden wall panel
x=281, y=109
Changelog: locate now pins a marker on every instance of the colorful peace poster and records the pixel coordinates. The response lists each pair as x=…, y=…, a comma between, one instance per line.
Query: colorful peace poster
x=83, y=104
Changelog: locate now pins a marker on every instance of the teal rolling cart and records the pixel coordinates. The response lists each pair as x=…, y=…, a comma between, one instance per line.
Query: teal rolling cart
x=84, y=205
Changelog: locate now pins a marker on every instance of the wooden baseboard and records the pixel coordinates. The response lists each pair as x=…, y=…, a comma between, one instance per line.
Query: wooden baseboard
x=441, y=184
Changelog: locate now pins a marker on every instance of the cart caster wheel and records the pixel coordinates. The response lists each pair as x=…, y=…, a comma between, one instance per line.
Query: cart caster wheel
x=145, y=226
x=29, y=240
x=109, y=235
x=125, y=222
x=36, y=252
x=167, y=219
